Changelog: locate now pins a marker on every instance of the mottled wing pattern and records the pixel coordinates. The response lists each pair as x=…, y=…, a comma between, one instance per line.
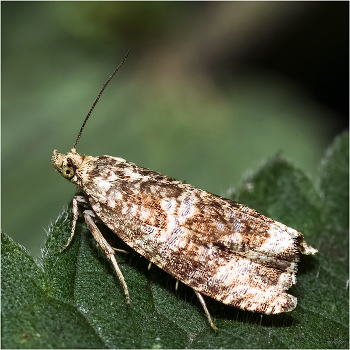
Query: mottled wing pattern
x=217, y=246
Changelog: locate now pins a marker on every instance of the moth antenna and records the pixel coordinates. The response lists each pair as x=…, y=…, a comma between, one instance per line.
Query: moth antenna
x=98, y=97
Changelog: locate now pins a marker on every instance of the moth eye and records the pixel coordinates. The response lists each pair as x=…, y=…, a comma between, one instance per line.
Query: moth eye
x=68, y=172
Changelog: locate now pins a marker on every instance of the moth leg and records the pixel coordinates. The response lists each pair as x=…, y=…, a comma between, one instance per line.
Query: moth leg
x=97, y=219
x=206, y=311
x=120, y=250
x=89, y=215
x=76, y=200
x=149, y=265
x=177, y=284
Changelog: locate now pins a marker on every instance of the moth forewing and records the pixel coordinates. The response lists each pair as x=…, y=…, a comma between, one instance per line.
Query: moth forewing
x=214, y=245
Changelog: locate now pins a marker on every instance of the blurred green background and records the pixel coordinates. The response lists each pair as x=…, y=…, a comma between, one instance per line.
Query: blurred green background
x=209, y=91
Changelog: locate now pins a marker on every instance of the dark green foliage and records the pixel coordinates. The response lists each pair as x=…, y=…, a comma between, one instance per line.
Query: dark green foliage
x=74, y=299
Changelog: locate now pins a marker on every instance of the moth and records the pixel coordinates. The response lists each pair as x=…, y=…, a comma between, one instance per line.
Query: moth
x=216, y=246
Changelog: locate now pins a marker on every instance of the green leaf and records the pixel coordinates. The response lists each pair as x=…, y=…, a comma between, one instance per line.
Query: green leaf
x=334, y=190
x=31, y=318
x=74, y=299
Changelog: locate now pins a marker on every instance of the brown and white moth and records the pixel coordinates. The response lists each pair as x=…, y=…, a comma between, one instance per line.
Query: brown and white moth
x=218, y=247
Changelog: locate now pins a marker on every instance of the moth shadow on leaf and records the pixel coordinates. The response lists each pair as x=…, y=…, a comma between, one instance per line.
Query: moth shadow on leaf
x=307, y=264
x=221, y=311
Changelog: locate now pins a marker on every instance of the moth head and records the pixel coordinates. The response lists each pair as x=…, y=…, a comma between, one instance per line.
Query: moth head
x=67, y=165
